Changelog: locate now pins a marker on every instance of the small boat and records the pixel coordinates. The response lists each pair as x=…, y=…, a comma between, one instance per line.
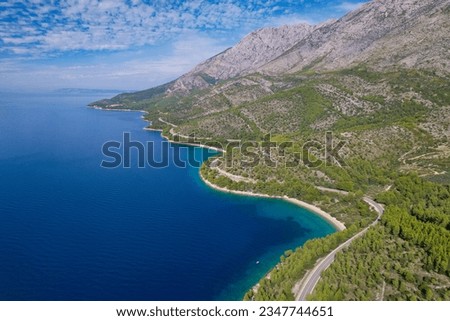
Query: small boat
x=257, y=262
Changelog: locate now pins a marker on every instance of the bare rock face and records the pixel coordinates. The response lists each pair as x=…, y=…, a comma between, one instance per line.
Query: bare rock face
x=255, y=50
x=382, y=33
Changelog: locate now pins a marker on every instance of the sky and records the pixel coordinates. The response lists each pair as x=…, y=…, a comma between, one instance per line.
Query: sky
x=132, y=44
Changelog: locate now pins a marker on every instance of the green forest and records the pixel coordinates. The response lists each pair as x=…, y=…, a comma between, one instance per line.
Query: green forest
x=406, y=257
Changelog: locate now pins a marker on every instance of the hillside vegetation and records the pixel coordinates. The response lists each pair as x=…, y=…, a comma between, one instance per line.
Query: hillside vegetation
x=407, y=257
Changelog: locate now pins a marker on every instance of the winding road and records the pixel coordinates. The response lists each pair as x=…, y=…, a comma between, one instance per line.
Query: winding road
x=306, y=285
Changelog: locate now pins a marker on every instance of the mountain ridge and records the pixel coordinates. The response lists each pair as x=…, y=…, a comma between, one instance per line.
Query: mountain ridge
x=359, y=36
x=253, y=51
x=382, y=34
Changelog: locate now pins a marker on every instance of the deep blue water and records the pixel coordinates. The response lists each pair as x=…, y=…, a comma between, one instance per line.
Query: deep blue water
x=72, y=230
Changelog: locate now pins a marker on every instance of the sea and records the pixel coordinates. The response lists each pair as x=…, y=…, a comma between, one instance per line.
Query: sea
x=72, y=229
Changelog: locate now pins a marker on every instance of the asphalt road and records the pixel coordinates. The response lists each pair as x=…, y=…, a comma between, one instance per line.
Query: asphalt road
x=305, y=286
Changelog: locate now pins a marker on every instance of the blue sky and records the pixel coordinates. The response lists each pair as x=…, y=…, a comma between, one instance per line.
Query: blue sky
x=132, y=44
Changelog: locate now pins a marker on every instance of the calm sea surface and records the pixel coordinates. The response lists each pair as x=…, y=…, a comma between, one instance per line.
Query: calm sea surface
x=72, y=230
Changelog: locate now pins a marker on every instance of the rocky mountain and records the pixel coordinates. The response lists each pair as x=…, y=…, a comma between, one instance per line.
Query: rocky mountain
x=382, y=34
x=252, y=52
x=285, y=79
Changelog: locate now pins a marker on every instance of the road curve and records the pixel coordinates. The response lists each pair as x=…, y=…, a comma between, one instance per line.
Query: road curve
x=306, y=285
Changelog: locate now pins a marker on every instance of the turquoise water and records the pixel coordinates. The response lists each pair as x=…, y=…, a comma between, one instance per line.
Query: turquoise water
x=72, y=230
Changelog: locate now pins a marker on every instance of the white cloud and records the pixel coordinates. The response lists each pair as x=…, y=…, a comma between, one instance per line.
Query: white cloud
x=349, y=6
x=53, y=26
x=128, y=41
x=290, y=19
x=111, y=24
x=123, y=72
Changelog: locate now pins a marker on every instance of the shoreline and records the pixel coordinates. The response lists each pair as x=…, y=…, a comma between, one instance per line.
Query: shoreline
x=314, y=209
x=158, y=130
x=115, y=109
x=184, y=143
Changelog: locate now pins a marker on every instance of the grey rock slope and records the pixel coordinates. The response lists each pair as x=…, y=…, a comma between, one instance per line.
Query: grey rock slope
x=253, y=51
x=382, y=33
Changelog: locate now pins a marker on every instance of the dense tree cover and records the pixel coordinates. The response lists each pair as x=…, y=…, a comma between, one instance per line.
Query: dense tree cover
x=359, y=174
x=419, y=212
x=291, y=187
x=404, y=258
